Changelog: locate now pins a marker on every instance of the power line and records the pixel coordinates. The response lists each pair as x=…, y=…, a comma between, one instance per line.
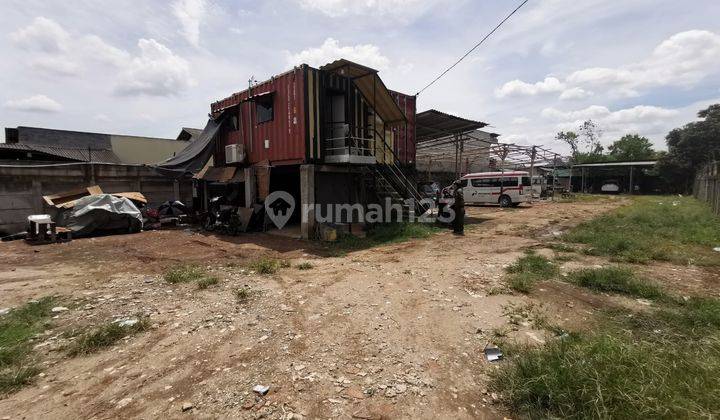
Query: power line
x=473, y=48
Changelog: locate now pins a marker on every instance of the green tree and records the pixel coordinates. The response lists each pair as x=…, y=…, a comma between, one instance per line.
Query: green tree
x=632, y=147
x=690, y=147
x=589, y=136
x=591, y=133
x=572, y=140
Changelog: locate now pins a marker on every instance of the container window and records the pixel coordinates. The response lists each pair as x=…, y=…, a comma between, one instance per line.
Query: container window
x=264, y=108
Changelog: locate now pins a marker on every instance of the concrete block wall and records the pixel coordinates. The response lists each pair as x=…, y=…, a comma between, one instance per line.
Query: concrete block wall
x=22, y=187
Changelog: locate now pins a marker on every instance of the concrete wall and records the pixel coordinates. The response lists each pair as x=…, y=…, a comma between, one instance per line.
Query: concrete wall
x=707, y=185
x=22, y=188
x=132, y=149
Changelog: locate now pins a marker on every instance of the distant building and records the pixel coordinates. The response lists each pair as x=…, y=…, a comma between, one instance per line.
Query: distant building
x=449, y=146
x=28, y=145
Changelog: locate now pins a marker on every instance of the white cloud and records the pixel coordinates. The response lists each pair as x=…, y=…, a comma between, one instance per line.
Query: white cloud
x=403, y=10
x=156, y=72
x=575, y=93
x=331, y=50
x=35, y=103
x=55, y=65
x=591, y=112
x=684, y=59
x=190, y=13
x=519, y=88
x=640, y=113
x=520, y=120
x=102, y=118
x=42, y=34
x=93, y=47
x=647, y=120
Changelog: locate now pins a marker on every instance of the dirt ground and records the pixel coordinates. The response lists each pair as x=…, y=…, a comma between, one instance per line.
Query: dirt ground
x=396, y=331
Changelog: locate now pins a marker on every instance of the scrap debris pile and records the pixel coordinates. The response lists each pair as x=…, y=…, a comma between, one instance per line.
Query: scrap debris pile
x=89, y=211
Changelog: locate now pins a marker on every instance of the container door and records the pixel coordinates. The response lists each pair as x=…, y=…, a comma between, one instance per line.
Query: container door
x=338, y=127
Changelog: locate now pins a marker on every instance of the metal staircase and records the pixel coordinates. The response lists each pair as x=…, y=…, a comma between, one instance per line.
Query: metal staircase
x=363, y=146
x=394, y=183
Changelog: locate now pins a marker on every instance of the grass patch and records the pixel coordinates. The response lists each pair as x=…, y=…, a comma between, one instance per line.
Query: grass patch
x=17, y=329
x=528, y=270
x=662, y=363
x=185, y=273
x=612, y=376
x=561, y=247
x=616, y=280
x=681, y=230
x=268, y=265
x=105, y=336
x=191, y=273
x=561, y=258
x=529, y=314
x=14, y=378
x=304, y=266
x=207, y=281
x=584, y=198
x=385, y=233
x=695, y=319
x=244, y=294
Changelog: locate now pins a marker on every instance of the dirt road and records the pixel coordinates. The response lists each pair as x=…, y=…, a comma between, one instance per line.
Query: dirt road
x=396, y=331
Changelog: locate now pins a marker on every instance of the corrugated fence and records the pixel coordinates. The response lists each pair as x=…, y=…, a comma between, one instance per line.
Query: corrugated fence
x=707, y=185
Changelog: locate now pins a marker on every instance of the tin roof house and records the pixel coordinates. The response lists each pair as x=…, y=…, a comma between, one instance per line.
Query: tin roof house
x=35, y=145
x=333, y=134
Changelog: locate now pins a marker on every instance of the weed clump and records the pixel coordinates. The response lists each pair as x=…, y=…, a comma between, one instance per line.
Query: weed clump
x=105, y=336
x=615, y=279
x=268, y=265
x=304, y=266
x=207, y=281
x=184, y=273
x=244, y=294
x=191, y=273
x=17, y=329
x=650, y=365
x=528, y=270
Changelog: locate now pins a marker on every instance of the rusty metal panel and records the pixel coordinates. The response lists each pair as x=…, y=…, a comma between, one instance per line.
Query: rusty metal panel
x=280, y=140
x=404, y=143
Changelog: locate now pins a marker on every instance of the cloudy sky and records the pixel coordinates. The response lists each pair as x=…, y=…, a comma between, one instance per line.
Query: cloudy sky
x=150, y=67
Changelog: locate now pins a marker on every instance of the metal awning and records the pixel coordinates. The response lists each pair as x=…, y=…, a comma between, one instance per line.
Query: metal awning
x=433, y=124
x=372, y=88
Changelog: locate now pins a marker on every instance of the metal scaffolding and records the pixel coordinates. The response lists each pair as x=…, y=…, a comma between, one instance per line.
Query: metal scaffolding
x=460, y=150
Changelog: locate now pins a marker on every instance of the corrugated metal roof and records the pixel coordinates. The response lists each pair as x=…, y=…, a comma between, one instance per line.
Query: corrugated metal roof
x=433, y=124
x=189, y=134
x=81, y=155
x=371, y=86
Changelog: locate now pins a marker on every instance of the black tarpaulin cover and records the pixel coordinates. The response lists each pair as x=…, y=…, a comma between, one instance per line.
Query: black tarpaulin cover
x=192, y=158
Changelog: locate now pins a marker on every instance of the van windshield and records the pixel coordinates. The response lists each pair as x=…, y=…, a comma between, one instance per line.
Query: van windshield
x=526, y=181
